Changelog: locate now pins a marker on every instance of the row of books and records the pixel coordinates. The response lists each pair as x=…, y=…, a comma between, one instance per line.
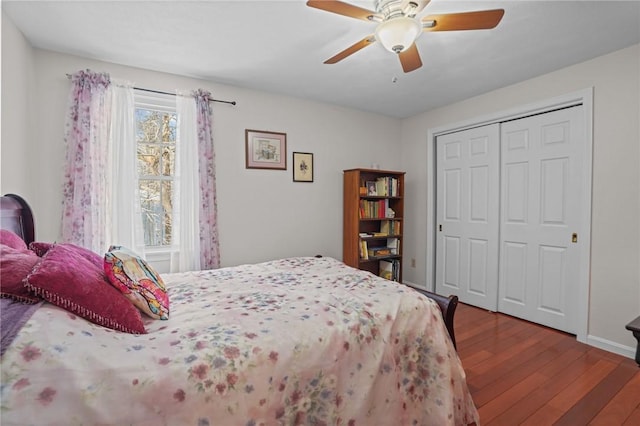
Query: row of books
x=390, y=227
x=374, y=209
x=389, y=269
x=391, y=249
x=384, y=186
x=387, y=228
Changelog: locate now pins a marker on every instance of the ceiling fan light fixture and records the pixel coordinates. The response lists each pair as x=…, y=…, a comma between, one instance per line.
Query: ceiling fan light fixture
x=398, y=34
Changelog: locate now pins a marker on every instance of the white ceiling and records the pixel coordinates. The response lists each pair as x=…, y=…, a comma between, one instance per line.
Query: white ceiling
x=280, y=46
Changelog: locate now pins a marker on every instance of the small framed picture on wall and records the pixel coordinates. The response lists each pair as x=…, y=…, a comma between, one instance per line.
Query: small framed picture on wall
x=302, y=167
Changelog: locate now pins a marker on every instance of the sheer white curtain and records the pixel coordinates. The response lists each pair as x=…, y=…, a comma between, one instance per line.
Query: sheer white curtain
x=186, y=193
x=125, y=218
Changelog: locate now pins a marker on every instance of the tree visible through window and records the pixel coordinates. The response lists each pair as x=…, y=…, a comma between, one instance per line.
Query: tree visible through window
x=156, y=151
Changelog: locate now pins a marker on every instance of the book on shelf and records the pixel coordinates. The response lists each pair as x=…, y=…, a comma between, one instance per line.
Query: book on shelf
x=364, y=250
x=389, y=269
x=393, y=245
x=379, y=251
x=386, y=269
x=385, y=227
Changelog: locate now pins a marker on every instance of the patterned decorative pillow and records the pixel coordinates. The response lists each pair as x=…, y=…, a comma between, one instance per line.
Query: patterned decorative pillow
x=138, y=281
x=12, y=240
x=67, y=279
x=15, y=265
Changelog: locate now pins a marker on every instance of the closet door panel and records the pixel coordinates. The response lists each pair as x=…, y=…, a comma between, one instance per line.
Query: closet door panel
x=467, y=175
x=541, y=160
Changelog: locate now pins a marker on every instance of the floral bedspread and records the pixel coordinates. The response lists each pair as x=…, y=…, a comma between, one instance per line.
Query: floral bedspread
x=306, y=341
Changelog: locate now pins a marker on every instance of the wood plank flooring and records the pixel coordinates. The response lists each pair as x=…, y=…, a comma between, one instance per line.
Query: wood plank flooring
x=521, y=373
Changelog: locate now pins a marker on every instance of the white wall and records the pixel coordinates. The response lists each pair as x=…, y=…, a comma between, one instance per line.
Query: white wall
x=17, y=120
x=615, y=251
x=262, y=214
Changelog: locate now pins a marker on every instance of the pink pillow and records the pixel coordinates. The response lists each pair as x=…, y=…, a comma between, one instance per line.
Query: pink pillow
x=12, y=240
x=15, y=265
x=42, y=248
x=67, y=279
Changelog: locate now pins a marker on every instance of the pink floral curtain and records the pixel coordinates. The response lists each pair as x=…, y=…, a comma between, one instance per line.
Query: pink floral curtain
x=209, y=242
x=86, y=184
x=87, y=138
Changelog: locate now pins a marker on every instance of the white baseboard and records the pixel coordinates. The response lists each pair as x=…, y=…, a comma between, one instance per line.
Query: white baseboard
x=610, y=346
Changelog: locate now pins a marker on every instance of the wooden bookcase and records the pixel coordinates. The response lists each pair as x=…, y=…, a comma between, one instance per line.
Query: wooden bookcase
x=372, y=234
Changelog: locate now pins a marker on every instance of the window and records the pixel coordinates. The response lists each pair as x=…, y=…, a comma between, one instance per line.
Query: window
x=156, y=122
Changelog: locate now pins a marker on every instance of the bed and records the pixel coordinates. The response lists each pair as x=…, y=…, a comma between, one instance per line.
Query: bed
x=305, y=340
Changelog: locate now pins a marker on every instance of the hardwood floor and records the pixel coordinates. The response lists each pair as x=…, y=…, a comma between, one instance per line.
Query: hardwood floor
x=523, y=373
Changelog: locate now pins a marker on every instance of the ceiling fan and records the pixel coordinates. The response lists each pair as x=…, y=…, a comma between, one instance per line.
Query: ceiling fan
x=399, y=27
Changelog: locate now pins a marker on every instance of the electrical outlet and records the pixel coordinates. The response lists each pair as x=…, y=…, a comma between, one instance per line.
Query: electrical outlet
x=413, y=263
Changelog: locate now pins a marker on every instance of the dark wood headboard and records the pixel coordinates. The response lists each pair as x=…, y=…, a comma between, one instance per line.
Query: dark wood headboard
x=17, y=217
x=448, y=305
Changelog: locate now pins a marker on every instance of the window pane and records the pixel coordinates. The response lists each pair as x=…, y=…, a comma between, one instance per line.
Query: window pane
x=152, y=212
x=167, y=198
x=169, y=128
x=156, y=131
x=147, y=125
x=148, y=160
x=168, y=160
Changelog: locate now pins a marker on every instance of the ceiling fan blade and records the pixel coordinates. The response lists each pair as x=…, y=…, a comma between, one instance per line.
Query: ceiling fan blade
x=351, y=49
x=480, y=20
x=344, y=9
x=410, y=59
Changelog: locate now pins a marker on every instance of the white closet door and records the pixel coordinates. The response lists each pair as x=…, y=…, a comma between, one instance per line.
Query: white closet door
x=467, y=174
x=542, y=170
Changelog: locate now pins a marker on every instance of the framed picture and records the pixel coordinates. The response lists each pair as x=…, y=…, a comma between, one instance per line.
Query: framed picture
x=371, y=188
x=302, y=167
x=266, y=150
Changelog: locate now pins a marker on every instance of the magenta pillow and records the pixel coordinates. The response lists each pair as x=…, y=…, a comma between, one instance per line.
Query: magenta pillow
x=12, y=240
x=15, y=265
x=67, y=279
x=138, y=281
x=42, y=248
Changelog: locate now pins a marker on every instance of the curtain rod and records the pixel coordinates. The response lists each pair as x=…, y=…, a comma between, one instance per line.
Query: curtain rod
x=172, y=94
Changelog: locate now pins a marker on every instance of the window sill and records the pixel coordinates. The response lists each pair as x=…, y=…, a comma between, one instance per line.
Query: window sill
x=159, y=258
